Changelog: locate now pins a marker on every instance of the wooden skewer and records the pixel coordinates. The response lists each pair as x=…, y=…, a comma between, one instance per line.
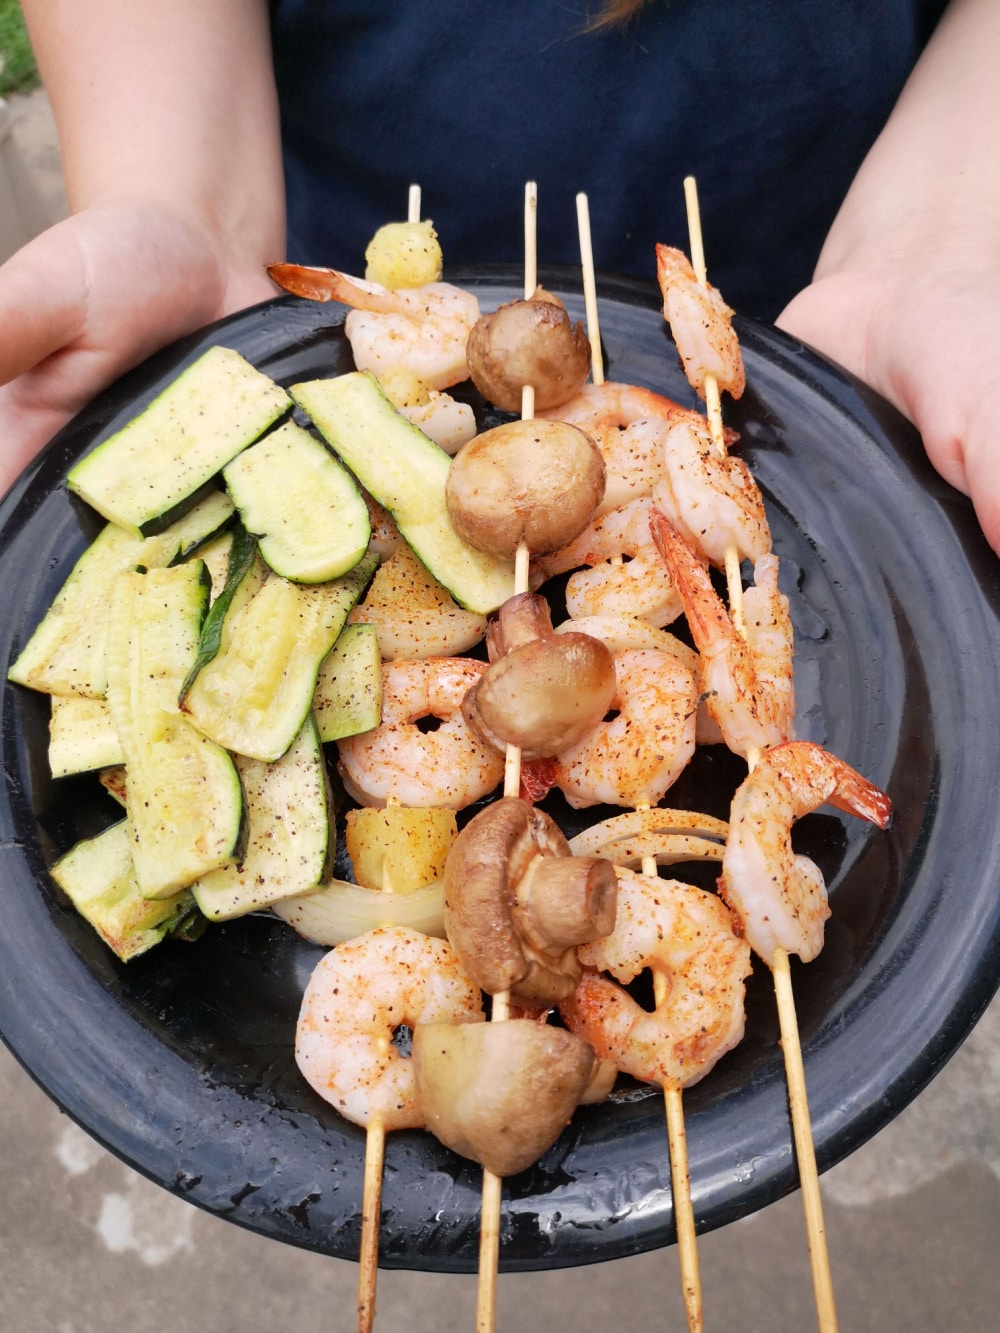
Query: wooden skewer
x=489, y=1231
x=371, y=1214
x=371, y=1194
x=680, y=1175
x=713, y=402
x=371, y=1198
x=589, y=288
x=805, y=1150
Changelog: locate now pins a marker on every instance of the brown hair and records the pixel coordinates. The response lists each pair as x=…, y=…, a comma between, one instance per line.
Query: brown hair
x=614, y=13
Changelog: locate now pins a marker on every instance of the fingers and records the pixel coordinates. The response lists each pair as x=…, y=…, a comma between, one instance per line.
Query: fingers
x=43, y=299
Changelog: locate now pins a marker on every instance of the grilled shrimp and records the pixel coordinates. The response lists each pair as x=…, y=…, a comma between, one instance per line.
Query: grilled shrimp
x=701, y=324
x=357, y=996
x=778, y=897
x=399, y=761
x=422, y=330
x=621, y=632
x=629, y=425
x=714, y=502
x=747, y=682
x=624, y=574
x=686, y=935
x=633, y=758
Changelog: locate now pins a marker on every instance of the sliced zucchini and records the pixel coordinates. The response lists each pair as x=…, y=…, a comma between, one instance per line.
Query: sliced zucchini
x=302, y=505
x=82, y=736
x=215, y=554
x=348, y=696
x=147, y=473
x=98, y=878
x=242, y=564
x=406, y=472
x=255, y=694
x=289, y=843
x=66, y=653
x=184, y=801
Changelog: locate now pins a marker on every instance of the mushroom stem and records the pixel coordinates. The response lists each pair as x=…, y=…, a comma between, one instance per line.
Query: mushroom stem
x=563, y=901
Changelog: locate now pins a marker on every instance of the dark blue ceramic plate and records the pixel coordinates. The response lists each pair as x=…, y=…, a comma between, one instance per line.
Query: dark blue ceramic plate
x=181, y=1062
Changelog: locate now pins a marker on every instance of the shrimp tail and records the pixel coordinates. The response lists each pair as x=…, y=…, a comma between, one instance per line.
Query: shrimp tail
x=857, y=796
x=671, y=264
x=328, y=284
x=707, y=616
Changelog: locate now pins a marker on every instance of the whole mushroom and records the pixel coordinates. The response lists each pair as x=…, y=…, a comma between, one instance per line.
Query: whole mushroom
x=499, y=1093
x=542, y=691
x=531, y=481
x=525, y=342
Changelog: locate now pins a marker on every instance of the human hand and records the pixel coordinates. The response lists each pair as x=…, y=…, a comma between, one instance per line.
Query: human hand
x=925, y=333
x=95, y=295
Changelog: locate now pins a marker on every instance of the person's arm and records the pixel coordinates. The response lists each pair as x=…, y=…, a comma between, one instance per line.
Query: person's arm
x=907, y=290
x=168, y=125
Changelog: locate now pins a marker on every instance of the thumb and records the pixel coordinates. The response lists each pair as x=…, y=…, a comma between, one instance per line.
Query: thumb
x=43, y=299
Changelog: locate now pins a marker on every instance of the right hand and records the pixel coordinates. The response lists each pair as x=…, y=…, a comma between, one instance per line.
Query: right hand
x=95, y=295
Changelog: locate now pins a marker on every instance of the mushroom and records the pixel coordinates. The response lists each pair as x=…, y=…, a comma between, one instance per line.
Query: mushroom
x=517, y=903
x=532, y=481
x=528, y=342
x=543, y=691
x=499, y=1093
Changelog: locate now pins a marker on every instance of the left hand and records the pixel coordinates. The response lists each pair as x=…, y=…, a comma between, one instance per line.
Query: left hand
x=927, y=337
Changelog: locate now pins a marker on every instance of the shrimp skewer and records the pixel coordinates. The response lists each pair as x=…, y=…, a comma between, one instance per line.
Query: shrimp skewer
x=357, y=996
x=793, y=877
x=489, y=1234
x=778, y=896
x=746, y=678
x=676, y=1136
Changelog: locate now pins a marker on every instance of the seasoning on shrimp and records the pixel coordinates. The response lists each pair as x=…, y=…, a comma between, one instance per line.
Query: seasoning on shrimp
x=688, y=936
x=701, y=324
x=634, y=757
x=747, y=683
x=398, y=760
x=711, y=499
x=778, y=896
x=622, y=572
x=357, y=996
x=423, y=330
x=629, y=424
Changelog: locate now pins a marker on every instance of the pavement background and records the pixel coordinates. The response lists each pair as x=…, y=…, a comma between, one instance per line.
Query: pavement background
x=87, y=1244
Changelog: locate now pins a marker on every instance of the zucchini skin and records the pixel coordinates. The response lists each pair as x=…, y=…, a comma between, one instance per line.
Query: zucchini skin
x=161, y=463
x=242, y=556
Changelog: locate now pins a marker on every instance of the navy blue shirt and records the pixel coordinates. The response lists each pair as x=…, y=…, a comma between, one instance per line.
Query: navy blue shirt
x=770, y=104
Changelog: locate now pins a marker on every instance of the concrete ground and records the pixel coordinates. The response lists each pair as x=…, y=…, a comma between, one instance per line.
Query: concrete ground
x=86, y=1244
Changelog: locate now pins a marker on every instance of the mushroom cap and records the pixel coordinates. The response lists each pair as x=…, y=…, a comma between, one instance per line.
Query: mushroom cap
x=528, y=342
x=533, y=480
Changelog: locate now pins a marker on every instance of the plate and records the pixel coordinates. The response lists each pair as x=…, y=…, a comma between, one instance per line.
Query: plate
x=181, y=1062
